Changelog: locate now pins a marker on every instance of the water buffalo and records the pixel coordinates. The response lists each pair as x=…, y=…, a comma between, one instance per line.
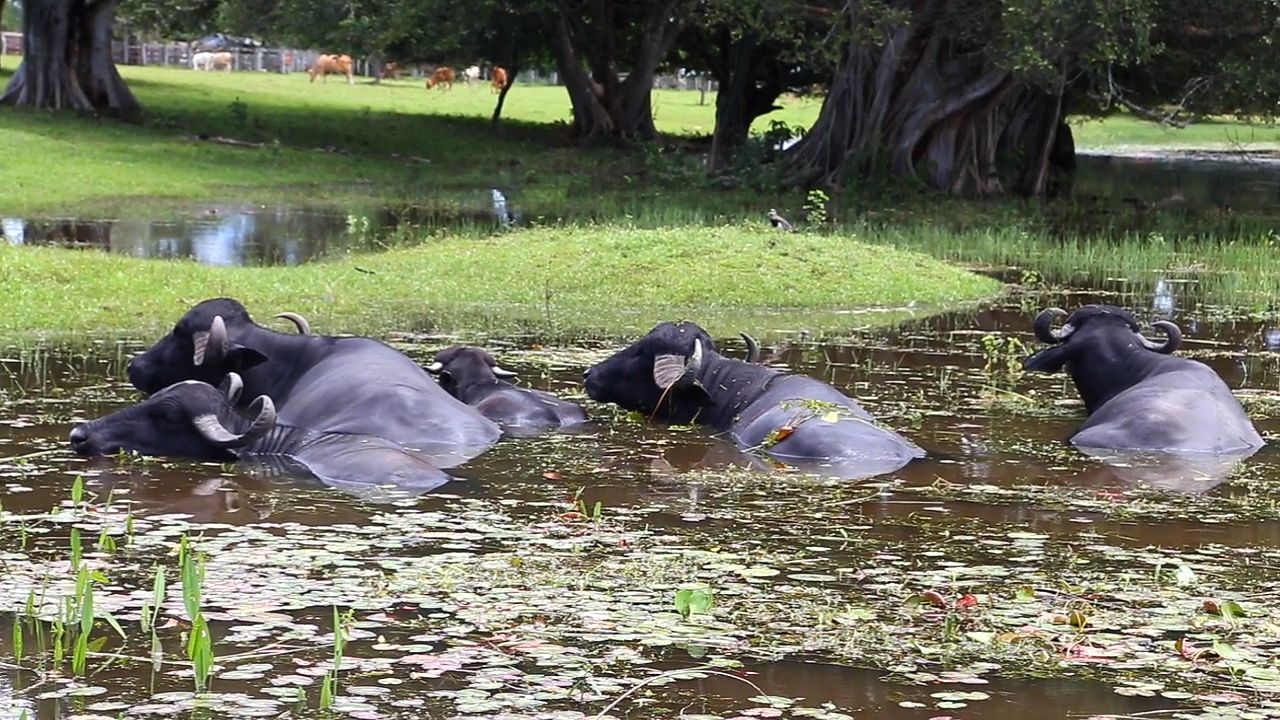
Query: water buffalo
x=1138, y=395
x=675, y=374
x=196, y=420
x=324, y=384
x=474, y=377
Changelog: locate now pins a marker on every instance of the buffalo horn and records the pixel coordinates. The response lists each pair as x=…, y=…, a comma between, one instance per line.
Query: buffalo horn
x=215, y=432
x=1172, y=340
x=753, y=348
x=304, y=327
x=434, y=368
x=1044, y=326
x=232, y=387
x=502, y=372
x=669, y=370
x=210, y=346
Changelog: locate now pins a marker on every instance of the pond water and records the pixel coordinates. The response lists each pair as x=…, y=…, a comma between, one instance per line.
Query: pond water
x=509, y=594
x=1220, y=180
x=246, y=234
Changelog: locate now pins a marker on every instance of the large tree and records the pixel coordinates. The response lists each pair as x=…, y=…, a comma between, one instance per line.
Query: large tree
x=756, y=50
x=67, y=59
x=608, y=53
x=970, y=96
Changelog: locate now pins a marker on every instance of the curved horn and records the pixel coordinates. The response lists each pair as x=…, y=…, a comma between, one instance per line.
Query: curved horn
x=502, y=372
x=434, y=368
x=232, y=386
x=1173, y=339
x=212, y=345
x=304, y=327
x=753, y=348
x=1044, y=326
x=215, y=432
x=695, y=360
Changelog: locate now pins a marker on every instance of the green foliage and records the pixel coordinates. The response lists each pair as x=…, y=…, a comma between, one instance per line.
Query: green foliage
x=694, y=601
x=11, y=20
x=342, y=624
x=815, y=206
x=1003, y=355
x=199, y=638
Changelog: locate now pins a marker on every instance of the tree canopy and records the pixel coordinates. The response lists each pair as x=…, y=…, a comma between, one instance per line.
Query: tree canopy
x=966, y=96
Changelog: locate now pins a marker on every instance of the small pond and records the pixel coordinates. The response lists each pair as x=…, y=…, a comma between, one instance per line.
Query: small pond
x=541, y=583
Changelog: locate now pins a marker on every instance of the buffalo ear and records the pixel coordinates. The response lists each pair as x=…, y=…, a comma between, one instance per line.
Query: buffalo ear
x=241, y=358
x=1048, y=360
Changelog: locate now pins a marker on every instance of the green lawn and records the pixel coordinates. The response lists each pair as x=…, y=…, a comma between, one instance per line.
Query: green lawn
x=394, y=143
x=560, y=282
x=1120, y=131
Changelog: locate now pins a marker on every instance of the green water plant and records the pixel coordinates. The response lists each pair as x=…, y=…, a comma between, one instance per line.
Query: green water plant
x=342, y=623
x=199, y=639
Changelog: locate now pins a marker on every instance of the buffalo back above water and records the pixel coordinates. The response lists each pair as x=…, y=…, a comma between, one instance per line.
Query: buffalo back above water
x=327, y=384
x=474, y=376
x=195, y=420
x=675, y=374
x=1139, y=395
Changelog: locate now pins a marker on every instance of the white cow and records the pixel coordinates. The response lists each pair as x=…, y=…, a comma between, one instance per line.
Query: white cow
x=202, y=61
x=471, y=75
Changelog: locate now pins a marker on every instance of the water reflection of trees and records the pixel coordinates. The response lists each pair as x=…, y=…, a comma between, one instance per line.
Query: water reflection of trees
x=258, y=236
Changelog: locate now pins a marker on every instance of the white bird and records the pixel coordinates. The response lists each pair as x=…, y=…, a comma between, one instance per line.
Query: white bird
x=504, y=216
x=779, y=222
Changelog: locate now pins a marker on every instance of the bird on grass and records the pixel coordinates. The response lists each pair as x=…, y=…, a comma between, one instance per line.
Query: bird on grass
x=779, y=222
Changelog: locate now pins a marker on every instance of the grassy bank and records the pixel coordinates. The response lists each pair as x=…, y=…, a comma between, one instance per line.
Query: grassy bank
x=393, y=143
x=1216, y=271
x=1120, y=131
x=557, y=283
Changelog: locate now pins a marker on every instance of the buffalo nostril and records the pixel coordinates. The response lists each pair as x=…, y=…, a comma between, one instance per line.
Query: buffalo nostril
x=79, y=437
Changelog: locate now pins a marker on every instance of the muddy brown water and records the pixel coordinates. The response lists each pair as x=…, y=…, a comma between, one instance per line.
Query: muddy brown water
x=927, y=378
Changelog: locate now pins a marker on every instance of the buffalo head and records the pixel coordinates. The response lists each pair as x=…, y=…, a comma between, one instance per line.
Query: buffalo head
x=1102, y=347
x=459, y=366
x=657, y=374
x=200, y=347
x=187, y=419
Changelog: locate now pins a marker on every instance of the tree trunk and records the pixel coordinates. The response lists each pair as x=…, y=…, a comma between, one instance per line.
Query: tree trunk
x=920, y=106
x=512, y=69
x=750, y=82
x=67, y=59
x=604, y=106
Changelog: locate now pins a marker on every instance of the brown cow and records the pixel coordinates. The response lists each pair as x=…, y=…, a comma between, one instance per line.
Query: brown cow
x=443, y=77
x=338, y=64
x=391, y=71
x=498, y=80
x=221, y=61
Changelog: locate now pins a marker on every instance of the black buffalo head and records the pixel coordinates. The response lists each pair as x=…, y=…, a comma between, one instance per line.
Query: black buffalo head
x=657, y=374
x=1103, y=348
x=200, y=347
x=187, y=419
x=460, y=366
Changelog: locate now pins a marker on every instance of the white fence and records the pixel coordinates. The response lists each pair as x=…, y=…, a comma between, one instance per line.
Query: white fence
x=178, y=54
x=287, y=60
